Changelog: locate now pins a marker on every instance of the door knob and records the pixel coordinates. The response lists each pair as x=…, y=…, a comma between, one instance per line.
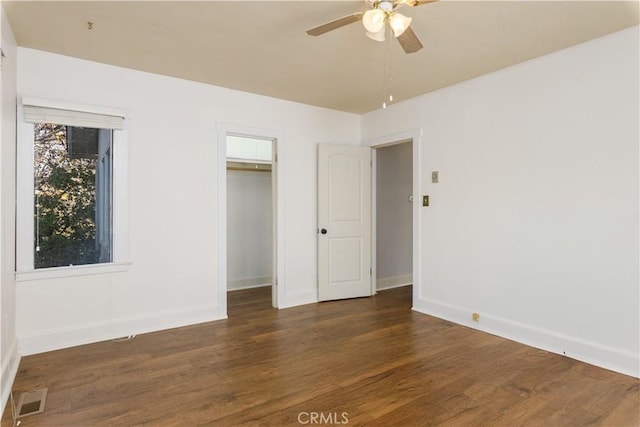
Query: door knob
x=323, y=231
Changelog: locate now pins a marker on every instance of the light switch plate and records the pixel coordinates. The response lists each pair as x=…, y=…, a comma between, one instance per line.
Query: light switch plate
x=435, y=176
x=425, y=200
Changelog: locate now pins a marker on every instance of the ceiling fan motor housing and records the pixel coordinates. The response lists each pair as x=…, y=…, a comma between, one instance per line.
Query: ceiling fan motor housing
x=386, y=5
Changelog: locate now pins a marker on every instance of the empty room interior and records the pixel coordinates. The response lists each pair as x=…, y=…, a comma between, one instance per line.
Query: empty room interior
x=281, y=213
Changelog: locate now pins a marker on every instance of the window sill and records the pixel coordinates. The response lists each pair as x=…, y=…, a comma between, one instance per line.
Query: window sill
x=71, y=271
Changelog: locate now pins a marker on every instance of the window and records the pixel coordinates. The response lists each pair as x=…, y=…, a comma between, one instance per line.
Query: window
x=71, y=191
x=72, y=203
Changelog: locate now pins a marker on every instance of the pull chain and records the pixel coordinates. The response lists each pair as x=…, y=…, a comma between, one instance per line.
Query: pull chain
x=385, y=59
x=387, y=84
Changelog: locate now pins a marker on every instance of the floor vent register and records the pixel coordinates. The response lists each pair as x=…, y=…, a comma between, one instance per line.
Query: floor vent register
x=29, y=403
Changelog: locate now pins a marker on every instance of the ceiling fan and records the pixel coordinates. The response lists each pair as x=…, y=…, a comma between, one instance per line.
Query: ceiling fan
x=380, y=14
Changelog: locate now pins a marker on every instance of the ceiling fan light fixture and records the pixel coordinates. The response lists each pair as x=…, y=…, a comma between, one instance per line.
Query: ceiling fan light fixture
x=377, y=36
x=399, y=23
x=373, y=20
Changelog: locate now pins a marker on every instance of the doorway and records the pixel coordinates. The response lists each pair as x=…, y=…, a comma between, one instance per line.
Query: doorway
x=412, y=138
x=250, y=247
x=394, y=215
x=249, y=213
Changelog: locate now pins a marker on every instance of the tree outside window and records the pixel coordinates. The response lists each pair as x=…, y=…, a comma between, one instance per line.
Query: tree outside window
x=73, y=194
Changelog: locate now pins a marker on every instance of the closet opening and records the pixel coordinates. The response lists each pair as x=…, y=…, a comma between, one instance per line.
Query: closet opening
x=251, y=194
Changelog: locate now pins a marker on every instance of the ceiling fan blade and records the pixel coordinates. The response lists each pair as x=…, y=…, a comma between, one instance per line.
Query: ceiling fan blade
x=333, y=25
x=417, y=2
x=409, y=41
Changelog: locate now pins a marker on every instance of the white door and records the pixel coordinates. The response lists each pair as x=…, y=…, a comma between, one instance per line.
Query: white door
x=344, y=221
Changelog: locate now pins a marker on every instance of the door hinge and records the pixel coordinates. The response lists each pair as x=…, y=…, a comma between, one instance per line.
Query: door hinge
x=370, y=271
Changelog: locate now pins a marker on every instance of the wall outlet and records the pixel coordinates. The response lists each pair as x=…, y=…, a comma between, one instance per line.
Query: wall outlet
x=475, y=317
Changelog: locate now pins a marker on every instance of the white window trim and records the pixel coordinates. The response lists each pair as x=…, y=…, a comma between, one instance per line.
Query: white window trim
x=25, y=192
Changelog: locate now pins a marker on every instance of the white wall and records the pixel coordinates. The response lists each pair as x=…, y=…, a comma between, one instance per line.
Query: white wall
x=8, y=344
x=249, y=229
x=173, y=211
x=534, y=223
x=394, y=240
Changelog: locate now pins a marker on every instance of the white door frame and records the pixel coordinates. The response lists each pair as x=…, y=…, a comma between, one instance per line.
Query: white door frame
x=414, y=136
x=278, y=284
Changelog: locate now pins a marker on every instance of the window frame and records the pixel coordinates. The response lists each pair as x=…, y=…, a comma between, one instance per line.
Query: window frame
x=25, y=196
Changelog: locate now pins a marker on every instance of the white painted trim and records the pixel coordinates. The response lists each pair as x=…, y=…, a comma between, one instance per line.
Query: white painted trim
x=71, y=271
x=414, y=135
x=417, y=222
x=223, y=130
x=280, y=216
x=71, y=106
x=55, y=339
x=25, y=189
x=374, y=222
x=120, y=209
x=275, y=217
x=222, y=219
x=10, y=365
x=253, y=282
x=394, y=282
x=575, y=348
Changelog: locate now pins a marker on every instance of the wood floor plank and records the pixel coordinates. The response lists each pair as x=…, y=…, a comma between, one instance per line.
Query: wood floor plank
x=372, y=359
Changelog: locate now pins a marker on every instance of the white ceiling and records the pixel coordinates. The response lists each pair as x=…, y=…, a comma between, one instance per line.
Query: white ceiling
x=262, y=47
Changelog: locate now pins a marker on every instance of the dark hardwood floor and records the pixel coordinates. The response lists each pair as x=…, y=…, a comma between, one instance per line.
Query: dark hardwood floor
x=369, y=361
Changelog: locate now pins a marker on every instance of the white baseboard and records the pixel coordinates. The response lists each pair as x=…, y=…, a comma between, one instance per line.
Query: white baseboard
x=86, y=334
x=593, y=353
x=10, y=364
x=254, y=282
x=394, y=282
